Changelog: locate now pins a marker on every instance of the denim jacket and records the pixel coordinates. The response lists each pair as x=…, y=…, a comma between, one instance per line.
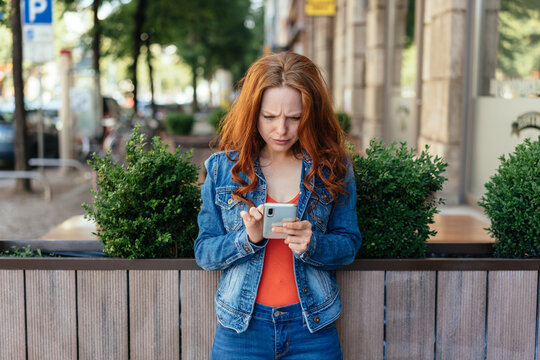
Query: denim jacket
x=223, y=244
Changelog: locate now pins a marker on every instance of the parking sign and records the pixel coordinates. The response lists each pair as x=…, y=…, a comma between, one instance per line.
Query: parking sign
x=38, y=34
x=38, y=12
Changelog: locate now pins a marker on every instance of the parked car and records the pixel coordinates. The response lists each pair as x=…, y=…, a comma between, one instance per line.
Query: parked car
x=7, y=132
x=7, y=138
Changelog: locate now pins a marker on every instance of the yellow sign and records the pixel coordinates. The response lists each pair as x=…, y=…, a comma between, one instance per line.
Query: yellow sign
x=320, y=7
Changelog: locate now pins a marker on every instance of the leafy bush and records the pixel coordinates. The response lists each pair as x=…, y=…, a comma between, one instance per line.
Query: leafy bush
x=21, y=252
x=179, y=123
x=216, y=116
x=512, y=202
x=396, y=199
x=344, y=121
x=147, y=208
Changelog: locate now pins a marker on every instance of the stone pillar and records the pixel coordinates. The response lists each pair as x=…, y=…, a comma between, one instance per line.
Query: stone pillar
x=340, y=31
x=322, y=44
x=442, y=115
x=350, y=62
x=375, y=70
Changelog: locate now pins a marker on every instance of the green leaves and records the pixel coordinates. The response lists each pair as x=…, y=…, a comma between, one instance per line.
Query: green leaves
x=179, y=123
x=147, y=208
x=396, y=199
x=512, y=202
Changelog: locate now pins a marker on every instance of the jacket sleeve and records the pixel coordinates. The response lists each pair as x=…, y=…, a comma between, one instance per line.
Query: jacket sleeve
x=338, y=246
x=215, y=247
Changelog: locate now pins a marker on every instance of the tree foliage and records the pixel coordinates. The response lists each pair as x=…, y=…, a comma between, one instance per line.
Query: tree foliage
x=209, y=34
x=519, y=38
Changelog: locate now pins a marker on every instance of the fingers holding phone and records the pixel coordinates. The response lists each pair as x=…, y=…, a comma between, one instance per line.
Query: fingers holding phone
x=298, y=235
x=275, y=215
x=253, y=223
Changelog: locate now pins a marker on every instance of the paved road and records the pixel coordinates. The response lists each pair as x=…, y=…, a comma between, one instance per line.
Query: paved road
x=28, y=216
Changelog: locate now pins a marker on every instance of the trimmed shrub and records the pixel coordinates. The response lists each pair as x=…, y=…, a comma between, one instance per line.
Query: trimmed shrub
x=344, y=121
x=216, y=116
x=179, y=123
x=147, y=208
x=396, y=199
x=512, y=202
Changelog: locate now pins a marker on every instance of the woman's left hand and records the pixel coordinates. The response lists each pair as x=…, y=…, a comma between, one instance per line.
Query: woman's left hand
x=298, y=234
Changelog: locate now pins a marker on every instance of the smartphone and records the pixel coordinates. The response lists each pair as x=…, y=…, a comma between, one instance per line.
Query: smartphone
x=275, y=214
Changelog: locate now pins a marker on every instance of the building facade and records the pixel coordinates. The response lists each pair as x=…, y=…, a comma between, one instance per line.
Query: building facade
x=428, y=72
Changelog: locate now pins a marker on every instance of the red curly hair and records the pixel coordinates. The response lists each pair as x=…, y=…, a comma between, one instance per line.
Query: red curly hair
x=319, y=133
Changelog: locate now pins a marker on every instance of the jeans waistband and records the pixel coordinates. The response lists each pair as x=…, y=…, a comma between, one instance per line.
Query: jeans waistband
x=279, y=313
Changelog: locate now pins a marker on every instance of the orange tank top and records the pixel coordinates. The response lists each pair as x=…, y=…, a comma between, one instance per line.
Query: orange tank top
x=278, y=286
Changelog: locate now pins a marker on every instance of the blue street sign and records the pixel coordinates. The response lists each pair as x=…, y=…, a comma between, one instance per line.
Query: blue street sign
x=38, y=12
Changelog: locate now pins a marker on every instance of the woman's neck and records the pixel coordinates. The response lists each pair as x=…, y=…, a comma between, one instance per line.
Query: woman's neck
x=268, y=157
x=283, y=175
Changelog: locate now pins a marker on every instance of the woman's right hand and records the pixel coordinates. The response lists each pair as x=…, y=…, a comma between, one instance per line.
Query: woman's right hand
x=253, y=220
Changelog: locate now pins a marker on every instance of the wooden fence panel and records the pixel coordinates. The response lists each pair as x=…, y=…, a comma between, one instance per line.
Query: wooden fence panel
x=198, y=313
x=12, y=326
x=103, y=315
x=410, y=315
x=51, y=314
x=154, y=304
x=362, y=294
x=461, y=315
x=512, y=304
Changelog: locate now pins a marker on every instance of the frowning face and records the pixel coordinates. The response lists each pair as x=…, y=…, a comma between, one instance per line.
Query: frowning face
x=281, y=109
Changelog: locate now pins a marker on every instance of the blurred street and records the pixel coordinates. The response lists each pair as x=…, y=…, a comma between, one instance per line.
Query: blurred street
x=30, y=216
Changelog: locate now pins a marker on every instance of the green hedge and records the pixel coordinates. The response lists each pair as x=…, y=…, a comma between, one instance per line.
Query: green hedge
x=512, y=202
x=147, y=208
x=396, y=199
x=179, y=123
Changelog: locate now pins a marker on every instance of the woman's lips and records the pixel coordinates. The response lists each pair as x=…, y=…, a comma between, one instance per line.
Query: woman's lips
x=280, y=141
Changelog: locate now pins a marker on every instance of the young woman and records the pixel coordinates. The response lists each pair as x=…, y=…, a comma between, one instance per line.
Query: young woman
x=280, y=142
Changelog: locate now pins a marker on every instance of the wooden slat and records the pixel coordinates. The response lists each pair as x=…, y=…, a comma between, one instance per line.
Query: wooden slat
x=410, y=315
x=103, y=315
x=461, y=315
x=512, y=304
x=198, y=313
x=12, y=326
x=51, y=315
x=362, y=295
x=153, y=314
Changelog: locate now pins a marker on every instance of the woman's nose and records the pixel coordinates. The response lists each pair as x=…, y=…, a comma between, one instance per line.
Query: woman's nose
x=282, y=125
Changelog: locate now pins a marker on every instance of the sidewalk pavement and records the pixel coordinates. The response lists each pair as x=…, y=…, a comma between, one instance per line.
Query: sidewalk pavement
x=28, y=216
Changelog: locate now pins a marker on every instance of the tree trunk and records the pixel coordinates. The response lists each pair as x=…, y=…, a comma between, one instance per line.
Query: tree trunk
x=21, y=152
x=150, y=78
x=96, y=37
x=195, y=104
x=137, y=41
x=96, y=55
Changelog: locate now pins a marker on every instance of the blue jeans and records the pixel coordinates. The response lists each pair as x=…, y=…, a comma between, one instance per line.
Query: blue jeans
x=277, y=333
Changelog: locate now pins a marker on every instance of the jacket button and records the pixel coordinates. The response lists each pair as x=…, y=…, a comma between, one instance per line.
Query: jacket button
x=316, y=319
x=304, y=290
x=230, y=201
x=246, y=247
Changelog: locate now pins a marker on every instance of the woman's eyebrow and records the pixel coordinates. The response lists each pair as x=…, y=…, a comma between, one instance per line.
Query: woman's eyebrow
x=293, y=114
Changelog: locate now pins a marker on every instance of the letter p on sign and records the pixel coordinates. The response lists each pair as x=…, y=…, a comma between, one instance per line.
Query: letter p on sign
x=38, y=12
